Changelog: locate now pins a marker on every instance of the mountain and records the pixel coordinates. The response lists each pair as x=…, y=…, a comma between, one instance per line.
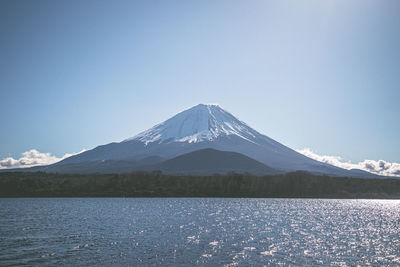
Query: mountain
x=210, y=161
x=199, y=127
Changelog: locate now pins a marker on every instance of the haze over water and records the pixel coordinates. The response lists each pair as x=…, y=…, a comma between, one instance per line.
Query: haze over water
x=197, y=231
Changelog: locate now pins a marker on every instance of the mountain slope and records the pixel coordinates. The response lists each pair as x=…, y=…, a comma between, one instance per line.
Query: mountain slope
x=205, y=126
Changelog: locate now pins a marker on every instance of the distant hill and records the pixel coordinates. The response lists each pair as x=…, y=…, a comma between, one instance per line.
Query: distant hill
x=211, y=161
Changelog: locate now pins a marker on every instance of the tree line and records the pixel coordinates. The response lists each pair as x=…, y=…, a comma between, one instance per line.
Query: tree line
x=156, y=184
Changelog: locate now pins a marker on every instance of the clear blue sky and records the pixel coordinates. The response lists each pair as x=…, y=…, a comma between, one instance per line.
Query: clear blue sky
x=317, y=74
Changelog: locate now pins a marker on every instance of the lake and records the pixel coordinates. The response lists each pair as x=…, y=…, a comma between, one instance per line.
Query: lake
x=198, y=231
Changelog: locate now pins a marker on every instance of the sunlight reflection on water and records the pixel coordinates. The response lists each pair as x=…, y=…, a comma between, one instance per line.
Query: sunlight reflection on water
x=172, y=231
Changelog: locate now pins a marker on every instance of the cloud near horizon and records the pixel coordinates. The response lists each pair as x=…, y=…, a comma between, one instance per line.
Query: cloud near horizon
x=379, y=167
x=33, y=158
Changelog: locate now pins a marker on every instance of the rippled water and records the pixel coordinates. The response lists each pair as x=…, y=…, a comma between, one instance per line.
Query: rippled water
x=172, y=231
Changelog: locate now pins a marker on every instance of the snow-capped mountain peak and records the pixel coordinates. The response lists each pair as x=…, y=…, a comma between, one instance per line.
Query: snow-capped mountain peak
x=197, y=124
x=197, y=128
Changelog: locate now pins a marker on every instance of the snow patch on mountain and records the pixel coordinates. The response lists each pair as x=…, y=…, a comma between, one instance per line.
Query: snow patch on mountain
x=197, y=124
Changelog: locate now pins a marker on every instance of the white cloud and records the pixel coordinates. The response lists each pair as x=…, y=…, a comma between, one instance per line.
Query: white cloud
x=379, y=167
x=32, y=158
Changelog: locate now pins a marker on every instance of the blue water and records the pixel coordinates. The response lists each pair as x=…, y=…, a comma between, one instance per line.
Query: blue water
x=197, y=231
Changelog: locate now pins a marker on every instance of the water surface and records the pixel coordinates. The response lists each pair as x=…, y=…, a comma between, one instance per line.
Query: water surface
x=198, y=231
